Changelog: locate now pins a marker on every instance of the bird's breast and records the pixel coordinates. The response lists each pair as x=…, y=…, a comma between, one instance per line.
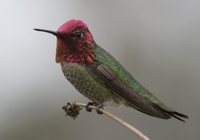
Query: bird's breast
x=83, y=81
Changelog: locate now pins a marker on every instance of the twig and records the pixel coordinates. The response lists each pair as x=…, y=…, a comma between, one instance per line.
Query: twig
x=73, y=110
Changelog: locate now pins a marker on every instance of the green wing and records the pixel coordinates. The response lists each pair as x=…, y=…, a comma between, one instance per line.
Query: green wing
x=107, y=71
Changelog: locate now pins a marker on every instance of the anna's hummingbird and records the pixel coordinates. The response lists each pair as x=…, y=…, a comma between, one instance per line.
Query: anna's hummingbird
x=96, y=74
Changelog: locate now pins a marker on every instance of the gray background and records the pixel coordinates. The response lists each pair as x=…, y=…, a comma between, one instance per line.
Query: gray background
x=157, y=41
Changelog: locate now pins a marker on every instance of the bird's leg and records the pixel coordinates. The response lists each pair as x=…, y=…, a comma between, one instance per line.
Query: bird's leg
x=101, y=106
x=90, y=104
x=98, y=107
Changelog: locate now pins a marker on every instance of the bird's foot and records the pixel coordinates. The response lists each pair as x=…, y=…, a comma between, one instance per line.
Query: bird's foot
x=90, y=104
x=98, y=109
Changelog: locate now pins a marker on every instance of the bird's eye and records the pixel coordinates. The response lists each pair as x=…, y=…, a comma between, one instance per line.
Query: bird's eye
x=77, y=34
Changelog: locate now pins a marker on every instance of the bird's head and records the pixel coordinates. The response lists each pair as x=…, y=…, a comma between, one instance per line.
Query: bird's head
x=75, y=43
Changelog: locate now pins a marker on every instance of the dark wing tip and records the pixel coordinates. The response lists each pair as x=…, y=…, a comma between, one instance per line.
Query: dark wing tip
x=178, y=116
x=174, y=114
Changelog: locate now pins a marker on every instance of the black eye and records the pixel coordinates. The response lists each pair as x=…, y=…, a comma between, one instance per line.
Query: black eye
x=77, y=34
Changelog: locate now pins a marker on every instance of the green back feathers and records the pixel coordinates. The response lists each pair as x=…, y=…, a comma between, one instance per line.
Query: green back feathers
x=104, y=57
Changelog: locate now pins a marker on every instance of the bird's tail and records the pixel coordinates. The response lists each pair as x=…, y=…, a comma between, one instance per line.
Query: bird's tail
x=178, y=115
x=171, y=113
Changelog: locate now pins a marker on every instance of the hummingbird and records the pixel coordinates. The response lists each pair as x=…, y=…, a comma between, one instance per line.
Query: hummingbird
x=97, y=75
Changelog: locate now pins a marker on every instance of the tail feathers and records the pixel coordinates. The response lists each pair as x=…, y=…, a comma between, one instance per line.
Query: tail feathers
x=171, y=113
x=178, y=116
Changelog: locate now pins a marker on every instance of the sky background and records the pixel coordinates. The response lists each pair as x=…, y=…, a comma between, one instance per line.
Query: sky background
x=158, y=42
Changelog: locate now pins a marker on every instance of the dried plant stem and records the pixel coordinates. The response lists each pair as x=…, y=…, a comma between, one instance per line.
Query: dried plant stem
x=119, y=120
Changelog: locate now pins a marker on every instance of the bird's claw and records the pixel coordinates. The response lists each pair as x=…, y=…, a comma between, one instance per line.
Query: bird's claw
x=89, y=104
x=98, y=109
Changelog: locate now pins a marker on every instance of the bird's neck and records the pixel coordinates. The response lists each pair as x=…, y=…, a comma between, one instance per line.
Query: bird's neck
x=82, y=55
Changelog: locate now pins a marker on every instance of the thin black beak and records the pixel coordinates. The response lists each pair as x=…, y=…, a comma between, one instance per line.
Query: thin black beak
x=48, y=31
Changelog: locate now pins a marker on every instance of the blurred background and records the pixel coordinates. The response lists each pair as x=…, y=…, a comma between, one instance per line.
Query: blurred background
x=157, y=41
